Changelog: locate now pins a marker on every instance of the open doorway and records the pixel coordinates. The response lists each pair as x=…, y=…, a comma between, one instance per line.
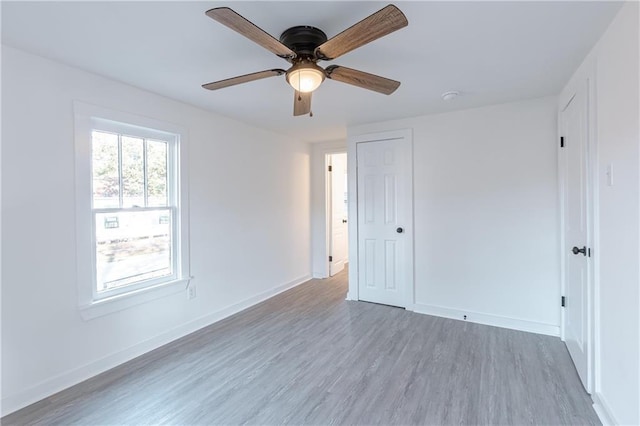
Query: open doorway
x=337, y=215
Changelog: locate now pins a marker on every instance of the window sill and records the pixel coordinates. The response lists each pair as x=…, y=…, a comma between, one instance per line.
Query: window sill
x=117, y=303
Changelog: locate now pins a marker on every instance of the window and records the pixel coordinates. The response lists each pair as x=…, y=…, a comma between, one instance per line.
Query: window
x=131, y=209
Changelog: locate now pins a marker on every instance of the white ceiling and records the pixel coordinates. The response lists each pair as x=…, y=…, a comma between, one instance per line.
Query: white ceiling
x=492, y=52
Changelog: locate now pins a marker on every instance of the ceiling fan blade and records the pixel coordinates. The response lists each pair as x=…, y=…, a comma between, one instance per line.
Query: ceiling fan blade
x=233, y=20
x=301, y=103
x=362, y=79
x=381, y=23
x=242, y=79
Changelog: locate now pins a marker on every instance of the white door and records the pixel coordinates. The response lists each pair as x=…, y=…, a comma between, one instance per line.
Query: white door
x=339, y=245
x=385, y=222
x=576, y=256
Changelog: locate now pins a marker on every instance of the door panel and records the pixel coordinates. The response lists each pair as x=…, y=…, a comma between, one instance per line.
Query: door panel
x=370, y=263
x=576, y=292
x=384, y=206
x=390, y=199
x=390, y=265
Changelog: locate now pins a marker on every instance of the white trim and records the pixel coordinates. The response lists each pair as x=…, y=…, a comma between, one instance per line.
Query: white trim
x=487, y=319
x=86, y=117
x=603, y=410
x=134, y=120
x=328, y=211
x=594, y=228
x=561, y=243
x=126, y=300
x=126, y=127
x=11, y=403
x=352, y=167
x=352, y=226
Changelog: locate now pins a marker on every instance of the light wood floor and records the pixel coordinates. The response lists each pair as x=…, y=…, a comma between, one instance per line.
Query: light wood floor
x=309, y=357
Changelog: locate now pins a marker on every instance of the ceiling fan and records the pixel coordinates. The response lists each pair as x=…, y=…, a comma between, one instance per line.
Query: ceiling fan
x=303, y=46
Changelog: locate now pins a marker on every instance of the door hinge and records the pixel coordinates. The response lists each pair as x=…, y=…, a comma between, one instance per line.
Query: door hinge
x=563, y=301
x=330, y=258
x=330, y=168
x=561, y=141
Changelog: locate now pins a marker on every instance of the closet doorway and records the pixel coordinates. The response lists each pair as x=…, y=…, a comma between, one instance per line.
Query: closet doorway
x=337, y=215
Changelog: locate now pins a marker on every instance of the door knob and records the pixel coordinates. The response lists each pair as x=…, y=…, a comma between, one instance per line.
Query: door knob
x=399, y=230
x=576, y=250
x=344, y=220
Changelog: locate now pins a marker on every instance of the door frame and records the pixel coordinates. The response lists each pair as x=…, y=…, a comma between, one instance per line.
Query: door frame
x=328, y=203
x=352, y=182
x=319, y=238
x=584, y=81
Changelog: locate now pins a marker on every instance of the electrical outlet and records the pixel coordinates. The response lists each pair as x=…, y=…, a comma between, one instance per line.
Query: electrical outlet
x=191, y=291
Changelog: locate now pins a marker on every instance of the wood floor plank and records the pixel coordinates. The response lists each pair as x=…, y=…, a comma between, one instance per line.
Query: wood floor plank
x=307, y=356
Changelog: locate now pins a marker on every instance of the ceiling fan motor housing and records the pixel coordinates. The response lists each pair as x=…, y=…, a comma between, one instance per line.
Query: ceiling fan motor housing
x=303, y=40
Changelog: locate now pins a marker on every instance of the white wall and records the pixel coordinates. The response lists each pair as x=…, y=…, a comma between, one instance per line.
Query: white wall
x=618, y=138
x=614, y=64
x=249, y=206
x=486, y=213
x=319, y=151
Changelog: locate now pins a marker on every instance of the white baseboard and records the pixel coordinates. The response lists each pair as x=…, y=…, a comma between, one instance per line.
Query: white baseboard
x=46, y=388
x=603, y=410
x=487, y=319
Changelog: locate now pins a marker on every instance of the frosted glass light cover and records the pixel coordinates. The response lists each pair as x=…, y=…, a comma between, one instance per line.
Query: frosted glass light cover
x=305, y=79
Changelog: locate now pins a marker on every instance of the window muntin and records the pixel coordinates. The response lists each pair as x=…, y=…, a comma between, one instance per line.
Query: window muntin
x=134, y=208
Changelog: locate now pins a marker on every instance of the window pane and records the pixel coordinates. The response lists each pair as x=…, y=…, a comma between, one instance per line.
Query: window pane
x=157, y=173
x=132, y=247
x=106, y=180
x=132, y=172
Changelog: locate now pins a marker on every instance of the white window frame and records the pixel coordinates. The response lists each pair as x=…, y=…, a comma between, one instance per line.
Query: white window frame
x=92, y=303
